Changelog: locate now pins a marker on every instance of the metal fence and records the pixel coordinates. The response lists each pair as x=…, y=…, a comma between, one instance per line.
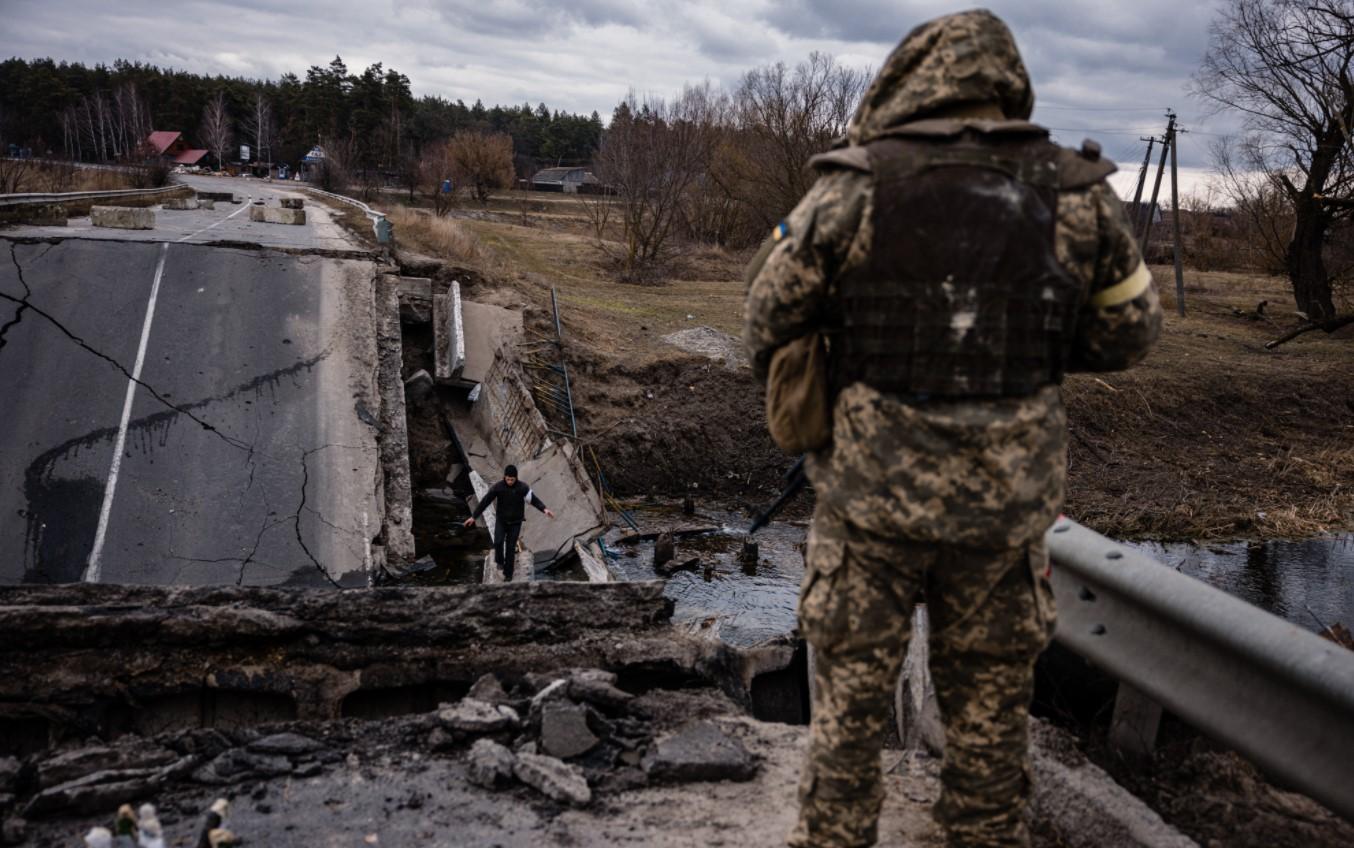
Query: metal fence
x=380, y=226
x=1278, y=694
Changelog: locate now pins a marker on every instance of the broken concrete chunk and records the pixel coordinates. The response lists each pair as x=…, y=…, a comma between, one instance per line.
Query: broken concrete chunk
x=564, y=730
x=238, y=764
x=292, y=202
x=489, y=690
x=553, y=778
x=276, y=215
x=98, y=792
x=71, y=765
x=598, y=692
x=441, y=740
x=475, y=716
x=491, y=764
x=418, y=385
x=180, y=203
x=287, y=744
x=700, y=751
x=122, y=217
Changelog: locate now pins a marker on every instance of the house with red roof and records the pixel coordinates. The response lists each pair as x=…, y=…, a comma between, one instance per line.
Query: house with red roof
x=172, y=147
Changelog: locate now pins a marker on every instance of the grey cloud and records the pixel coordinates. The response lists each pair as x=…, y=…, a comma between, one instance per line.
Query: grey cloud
x=584, y=55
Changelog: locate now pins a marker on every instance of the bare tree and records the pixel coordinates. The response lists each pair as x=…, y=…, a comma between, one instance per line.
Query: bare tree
x=259, y=129
x=651, y=156
x=434, y=167
x=1285, y=65
x=481, y=162
x=217, y=133
x=785, y=116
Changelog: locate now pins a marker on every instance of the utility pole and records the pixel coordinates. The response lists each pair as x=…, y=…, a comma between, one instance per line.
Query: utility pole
x=1175, y=215
x=1167, y=142
x=1142, y=180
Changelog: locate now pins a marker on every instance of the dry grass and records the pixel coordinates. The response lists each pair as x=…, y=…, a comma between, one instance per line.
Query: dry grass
x=25, y=176
x=444, y=238
x=1213, y=436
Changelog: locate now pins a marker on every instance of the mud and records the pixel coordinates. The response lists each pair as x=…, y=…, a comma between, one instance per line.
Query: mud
x=678, y=426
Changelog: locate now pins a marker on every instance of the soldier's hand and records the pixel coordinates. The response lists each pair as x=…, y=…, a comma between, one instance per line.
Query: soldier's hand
x=469, y=522
x=549, y=514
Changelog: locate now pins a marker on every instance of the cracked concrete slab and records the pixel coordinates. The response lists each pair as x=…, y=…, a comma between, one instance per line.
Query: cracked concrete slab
x=246, y=457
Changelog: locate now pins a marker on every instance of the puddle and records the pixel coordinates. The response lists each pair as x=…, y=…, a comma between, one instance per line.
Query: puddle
x=746, y=605
x=1309, y=582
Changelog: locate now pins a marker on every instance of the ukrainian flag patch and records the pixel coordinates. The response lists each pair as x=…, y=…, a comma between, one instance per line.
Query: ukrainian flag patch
x=780, y=232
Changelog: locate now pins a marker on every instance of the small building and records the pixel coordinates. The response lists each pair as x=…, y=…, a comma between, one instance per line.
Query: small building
x=171, y=147
x=567, y=180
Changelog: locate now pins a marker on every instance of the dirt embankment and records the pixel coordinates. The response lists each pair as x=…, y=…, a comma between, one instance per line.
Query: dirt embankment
x=1212, y=437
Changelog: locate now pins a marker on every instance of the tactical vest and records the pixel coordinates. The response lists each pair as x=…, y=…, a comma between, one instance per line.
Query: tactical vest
x=962, y=294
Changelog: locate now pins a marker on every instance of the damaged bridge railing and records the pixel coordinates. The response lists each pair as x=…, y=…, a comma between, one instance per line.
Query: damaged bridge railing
x=381, y=227
x=1274, y=692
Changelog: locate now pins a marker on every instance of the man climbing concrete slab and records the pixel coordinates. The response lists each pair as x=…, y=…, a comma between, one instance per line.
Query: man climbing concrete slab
x=511, y=495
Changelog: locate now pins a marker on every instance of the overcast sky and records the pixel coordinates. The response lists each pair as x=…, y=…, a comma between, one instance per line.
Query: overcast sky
x=1104, y=68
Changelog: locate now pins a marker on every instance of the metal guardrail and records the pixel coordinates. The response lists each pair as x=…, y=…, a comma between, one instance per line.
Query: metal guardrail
x=69, y=196
x=1269, y=689
x=380, y=225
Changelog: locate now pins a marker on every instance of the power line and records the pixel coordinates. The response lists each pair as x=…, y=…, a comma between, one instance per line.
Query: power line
x=1100, y=108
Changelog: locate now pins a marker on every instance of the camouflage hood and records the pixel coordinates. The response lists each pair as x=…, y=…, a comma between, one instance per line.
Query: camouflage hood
x=958, y=60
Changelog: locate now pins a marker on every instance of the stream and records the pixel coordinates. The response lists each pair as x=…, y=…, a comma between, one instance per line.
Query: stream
x=1308, y=582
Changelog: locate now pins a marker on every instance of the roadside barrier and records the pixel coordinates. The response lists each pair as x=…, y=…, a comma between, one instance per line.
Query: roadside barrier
x=1280, y=695
x=380, y=225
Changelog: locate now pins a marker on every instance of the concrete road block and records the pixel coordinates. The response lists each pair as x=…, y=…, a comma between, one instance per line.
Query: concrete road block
x=274, y=215
x=206, y=204
x=293, y=202
x=181, y=203
x=122, y=217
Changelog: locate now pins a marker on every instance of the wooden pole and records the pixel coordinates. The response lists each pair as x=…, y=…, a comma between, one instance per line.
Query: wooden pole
x=1175, y=214
x=1166, y=144
x=1142, y=181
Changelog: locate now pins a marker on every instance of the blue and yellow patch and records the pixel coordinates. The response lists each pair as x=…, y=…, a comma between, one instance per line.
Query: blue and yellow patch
x=781, y=231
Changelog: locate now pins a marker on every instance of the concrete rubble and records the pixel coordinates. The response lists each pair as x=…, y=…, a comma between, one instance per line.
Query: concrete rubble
x=181, y=203
x=122, y=217
x=276, y=215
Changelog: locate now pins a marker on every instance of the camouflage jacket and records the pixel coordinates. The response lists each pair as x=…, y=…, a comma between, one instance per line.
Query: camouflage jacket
x=986, y=474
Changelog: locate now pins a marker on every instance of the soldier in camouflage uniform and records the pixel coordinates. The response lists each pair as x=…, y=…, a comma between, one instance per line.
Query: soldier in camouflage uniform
x=948, y=452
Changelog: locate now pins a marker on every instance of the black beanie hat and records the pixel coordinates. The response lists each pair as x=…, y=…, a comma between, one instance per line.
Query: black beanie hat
x=510, y=471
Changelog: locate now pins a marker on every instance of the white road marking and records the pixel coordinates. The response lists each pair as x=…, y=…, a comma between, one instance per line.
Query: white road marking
x=92, y=569
x=220, y=222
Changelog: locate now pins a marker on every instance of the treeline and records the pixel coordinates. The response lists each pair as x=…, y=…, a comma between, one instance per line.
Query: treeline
x=99, y=113
x=716, y=166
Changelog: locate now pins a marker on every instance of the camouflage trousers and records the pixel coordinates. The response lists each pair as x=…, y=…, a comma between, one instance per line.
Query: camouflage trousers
x=991, y=615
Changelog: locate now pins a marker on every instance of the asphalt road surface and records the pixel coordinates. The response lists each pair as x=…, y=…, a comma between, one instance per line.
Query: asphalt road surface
x=245, y=449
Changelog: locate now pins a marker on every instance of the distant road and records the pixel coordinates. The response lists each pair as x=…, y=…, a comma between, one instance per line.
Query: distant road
x=267, y=472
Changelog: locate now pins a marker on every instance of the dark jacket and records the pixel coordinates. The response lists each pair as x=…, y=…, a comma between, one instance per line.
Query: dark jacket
x=512, y=501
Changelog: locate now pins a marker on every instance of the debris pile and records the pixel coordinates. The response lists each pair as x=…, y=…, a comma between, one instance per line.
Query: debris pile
x=568, y=735
x=92, y=778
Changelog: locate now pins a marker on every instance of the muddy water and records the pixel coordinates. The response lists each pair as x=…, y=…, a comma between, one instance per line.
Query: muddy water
x=1305, y=581
x=744, y=605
